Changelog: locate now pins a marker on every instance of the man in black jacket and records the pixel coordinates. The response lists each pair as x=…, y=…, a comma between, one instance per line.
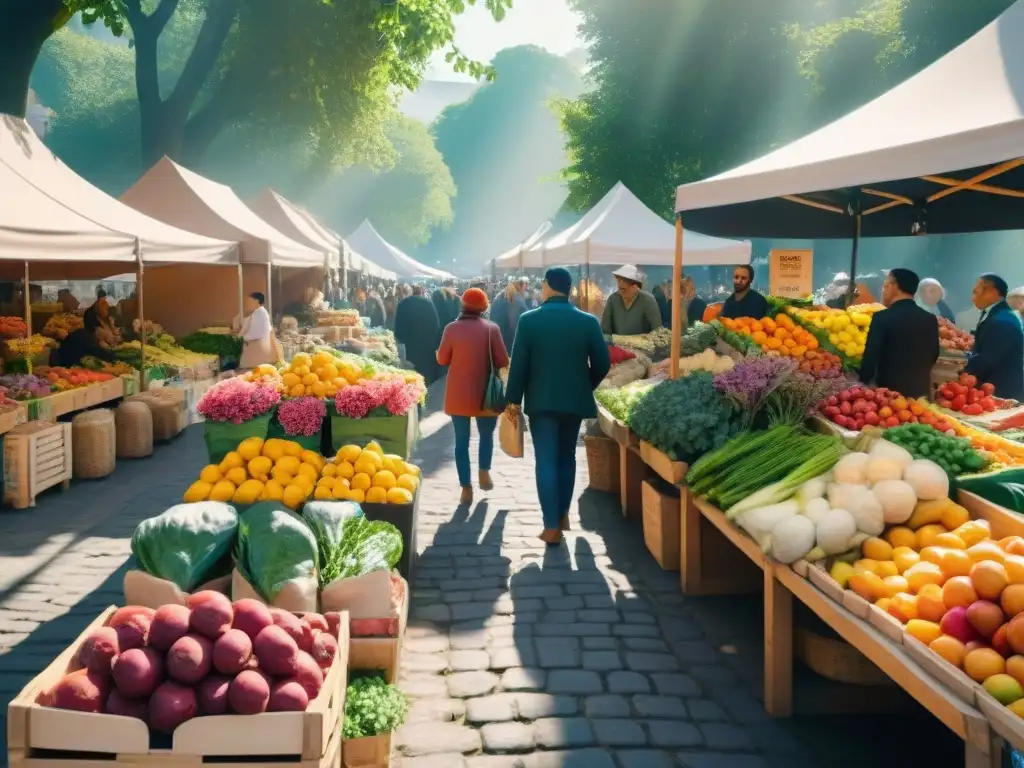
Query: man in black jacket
x=998, y=355
x=903, y=340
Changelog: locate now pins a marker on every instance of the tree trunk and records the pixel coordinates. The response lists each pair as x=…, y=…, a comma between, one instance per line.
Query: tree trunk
x=24, y=27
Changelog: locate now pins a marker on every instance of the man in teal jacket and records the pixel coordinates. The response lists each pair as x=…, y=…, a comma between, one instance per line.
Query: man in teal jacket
x=558, y=359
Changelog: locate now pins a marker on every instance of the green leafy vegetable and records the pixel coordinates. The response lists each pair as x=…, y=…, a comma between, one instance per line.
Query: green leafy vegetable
x=221, y=344
x=685, y=418
x=372, y=707
x=366, y=546
x=698, y=337
x=327, y=521
x=953, y=454
x=620, y=401
x=188, y=544
x=275, y=547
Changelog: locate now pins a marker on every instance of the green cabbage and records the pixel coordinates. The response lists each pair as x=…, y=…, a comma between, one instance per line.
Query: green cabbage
x=274, y=547
x=188, y=544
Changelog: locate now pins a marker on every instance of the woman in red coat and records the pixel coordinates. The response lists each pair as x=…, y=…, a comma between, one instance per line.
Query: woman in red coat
x=468, y=346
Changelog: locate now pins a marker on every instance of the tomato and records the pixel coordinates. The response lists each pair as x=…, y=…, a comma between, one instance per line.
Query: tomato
x=945, y=403
x=904, y=415
x=832, y=411
x=841, y=420
x=892, y=421
x=973, y=396
x=988, y=389
x=972, y=409
x=987, y=404
x=833, y=400
x=845, y=395
x=947, y=393
x=871, y=418
x=845, y=408
x=959, y=389
x=968, y=380
x=958, y=403
x=885, y=412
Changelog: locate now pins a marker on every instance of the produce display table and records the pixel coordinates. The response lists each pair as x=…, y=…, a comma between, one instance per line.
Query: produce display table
x=631, y=465
x=60, y=404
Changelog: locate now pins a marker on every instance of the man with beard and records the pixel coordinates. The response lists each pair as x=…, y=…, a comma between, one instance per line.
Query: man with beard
x=744, y=301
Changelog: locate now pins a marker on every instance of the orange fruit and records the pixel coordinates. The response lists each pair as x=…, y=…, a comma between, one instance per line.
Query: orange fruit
x=955, y=562
x=904, y=557
x=949, y=541
x=1014, y=565
x=877, y=549
x=868, y=585
x=930, y=605
x=925, y=631
x=894, y=585
x=901, y=536
x=989, y=579
x=903, y=606
x=923, y=573
x=951, y=649
x=983, y=662
x=958, y=592
x=986, y=550
x=932, y=554
x=1015, y=668
x=927, y=534
x=1012, y=600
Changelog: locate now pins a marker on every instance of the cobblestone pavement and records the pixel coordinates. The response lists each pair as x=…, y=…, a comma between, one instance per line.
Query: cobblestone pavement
x=585, y=656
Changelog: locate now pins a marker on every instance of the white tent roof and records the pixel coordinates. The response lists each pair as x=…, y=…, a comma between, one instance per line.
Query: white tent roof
x=368, y=242
x=621, y=229
x=185, y=199
x=283, y=216
x=353, y=261
x=513, y=257
x=965, y=111
x=25, y=156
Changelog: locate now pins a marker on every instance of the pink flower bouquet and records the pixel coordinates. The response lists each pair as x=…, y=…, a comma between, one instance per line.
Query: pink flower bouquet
x=237, y=401
x=302, y=415
x=377, y=397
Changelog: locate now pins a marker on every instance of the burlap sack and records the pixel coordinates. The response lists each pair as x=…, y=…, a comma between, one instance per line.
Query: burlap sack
x=134, y=422
x=93, y=444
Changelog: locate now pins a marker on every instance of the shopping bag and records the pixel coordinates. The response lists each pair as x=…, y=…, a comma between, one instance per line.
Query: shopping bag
x=510, y=435
x=494, y=394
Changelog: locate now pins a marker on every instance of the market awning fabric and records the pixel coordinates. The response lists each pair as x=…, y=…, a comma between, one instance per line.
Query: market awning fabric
x=184, y=199
x=24, y=153
x=936, y=155
x=513, y=258
x=620, y=229
x=369, y=244
x=285, y=217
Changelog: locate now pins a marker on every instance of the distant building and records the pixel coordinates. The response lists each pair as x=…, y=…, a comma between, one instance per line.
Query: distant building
x=38, y=116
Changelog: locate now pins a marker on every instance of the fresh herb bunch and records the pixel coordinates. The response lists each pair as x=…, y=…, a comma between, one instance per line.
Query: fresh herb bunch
x=620, y=401
x=749, y=384
x=685, y=418
x=372, y=707
x=222, y=344
x=796, y=397
x=365, y=546
x=698, y=337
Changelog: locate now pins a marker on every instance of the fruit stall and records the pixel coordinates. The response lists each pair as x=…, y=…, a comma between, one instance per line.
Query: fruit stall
x=894, y=521
x=262, y=624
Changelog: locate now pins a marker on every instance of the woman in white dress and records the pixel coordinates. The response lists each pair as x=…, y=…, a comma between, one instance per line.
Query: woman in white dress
x=257, y=334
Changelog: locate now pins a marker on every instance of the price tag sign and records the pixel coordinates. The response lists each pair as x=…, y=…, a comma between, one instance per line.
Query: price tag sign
x=791, y=273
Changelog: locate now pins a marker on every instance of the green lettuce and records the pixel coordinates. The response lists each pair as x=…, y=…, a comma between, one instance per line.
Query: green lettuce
x=188, y=544
x=274, y=547
x=365, y=546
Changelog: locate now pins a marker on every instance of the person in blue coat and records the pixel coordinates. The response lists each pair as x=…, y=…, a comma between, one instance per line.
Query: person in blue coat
x=558, y=359
x=998, y=354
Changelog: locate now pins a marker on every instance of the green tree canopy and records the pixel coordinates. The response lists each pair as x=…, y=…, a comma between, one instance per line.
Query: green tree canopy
x=505, y=148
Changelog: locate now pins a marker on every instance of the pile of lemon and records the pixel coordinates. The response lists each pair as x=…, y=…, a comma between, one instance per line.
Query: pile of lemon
x=368, y=474
x=319, y=375
x=260, y=470
x=847, y=329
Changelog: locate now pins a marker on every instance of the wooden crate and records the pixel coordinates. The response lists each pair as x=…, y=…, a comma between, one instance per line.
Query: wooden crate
x=631, y=475
x=376, y=643
x=41, y=737
x=12, y=418
x=602, y=463
x=661, y=505
x=668, y=470
x=368, y=752
x=37, y=456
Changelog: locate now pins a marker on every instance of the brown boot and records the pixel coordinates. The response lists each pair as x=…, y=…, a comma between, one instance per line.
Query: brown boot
x=485, y=481
x=564, y=523
x=467, y=495
x=551, y=536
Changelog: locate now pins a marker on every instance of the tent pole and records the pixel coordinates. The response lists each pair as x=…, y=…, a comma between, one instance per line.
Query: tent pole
x=139, y=278
x=677, y=301
x=28, y=305
x=851, y=290
x=241, y=298
x=588, y=277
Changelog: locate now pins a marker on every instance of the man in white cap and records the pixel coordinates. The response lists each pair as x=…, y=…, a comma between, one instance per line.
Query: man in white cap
x=630, y=310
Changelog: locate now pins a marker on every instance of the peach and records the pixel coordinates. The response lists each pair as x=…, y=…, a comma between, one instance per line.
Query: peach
x=868, y=585
x=930, y=605
x=926, y=536
x=958, y=592
x=989, y=579
x=949, y=541
x=983, y=663
x=986, y=550
x=974, y=531
x=904, y=557
x=1015, y=634
x=1015, y=547
x=932, y=554
x=900, y=536
x=923, y=573
x=1001, y=643
x=1014, y=565
x=925, y=631
x=952, y=650
x=894, y=585
x=953, y=516
x=903, y=607
x=887, y=568
x=1015, y=668
x=955, y=562
x=985, y=617
x=955, y=623
x=1012, y=599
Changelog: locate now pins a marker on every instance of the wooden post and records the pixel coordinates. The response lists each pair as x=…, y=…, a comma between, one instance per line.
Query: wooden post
x=270, y=301
x=677, y=301
x=778, y=646
x=28, y=305
x=241, y=296
x=140, y=276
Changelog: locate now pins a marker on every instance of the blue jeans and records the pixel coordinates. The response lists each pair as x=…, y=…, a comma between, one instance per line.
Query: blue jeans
x=554, y=445
x=485, y=426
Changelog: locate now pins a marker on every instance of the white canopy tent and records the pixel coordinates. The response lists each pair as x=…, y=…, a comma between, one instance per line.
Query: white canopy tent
x=881, y=163
x=283, y=216
x=350, y=259
x=369, y=243
x=513, y=257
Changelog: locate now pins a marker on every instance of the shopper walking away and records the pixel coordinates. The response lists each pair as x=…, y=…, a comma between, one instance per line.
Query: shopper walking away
x=558, y=360
x=744, y=301
x=630, y=310
x=998, y=355
x=505, y=315
x=257, y=334
x=417, y=327
x=375, y=309
x=903, y=340
x=469, y=346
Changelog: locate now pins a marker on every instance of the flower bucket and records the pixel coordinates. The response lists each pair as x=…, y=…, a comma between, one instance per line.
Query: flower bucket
x=395, y=434
x=223, y=437
x=308, y=442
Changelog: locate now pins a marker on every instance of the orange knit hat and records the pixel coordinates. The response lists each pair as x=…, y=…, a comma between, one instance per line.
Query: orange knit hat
x=474, y=300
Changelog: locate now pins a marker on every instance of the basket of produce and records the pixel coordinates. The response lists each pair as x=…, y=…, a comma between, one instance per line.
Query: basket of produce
x=602, y=463
x=13, y=328
x=953, y=339
x=35, y=349
x=59, y=326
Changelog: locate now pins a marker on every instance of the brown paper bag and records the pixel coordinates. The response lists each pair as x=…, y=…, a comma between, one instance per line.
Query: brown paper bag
x=292, y=597
x=140, y=588
x=510, y=435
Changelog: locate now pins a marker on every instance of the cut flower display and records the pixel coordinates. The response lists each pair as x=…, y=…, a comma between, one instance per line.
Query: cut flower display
x=302, y=415
x=236, y=400
x=378, y=397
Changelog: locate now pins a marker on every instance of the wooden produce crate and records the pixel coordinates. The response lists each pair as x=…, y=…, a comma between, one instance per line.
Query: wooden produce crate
x=37, y=456
x=661, y=505
x=41, y=737
x=668, y=470
x=368, y=752
x=602, y=463
x=376, y=637
x=12, y=418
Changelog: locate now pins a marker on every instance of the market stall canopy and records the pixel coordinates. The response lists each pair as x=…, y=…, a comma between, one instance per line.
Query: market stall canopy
x=620, y=229
x=26, y=156
x=353, y=261
x=513, y=258
x=185, y=199
x=369, y=243
x=918, y=159
x=283, y=216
